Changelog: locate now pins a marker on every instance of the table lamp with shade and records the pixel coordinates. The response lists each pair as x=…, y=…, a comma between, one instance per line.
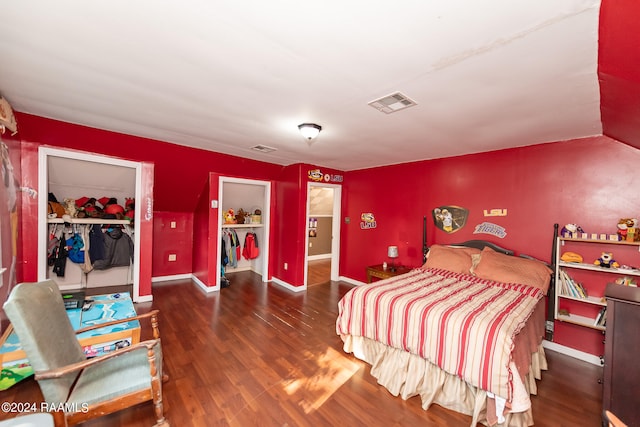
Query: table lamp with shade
x=392, y=252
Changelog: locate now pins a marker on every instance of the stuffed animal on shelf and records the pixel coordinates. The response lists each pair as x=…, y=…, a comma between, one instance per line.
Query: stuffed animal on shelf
x=606, y=260
x=229, y=217
x=129, y=208
x=240, y=216
x=55, y=209
x=571, y=230
x=70, y=207
x=86, y=207
x=628, y=230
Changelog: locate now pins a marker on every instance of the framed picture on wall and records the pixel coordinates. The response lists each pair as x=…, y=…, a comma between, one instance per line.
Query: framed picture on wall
x=450, y=218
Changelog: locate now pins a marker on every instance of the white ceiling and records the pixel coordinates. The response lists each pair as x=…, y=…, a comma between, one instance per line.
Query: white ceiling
x=228, y=75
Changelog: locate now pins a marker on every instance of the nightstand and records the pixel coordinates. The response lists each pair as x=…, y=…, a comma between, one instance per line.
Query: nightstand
x=378, y=272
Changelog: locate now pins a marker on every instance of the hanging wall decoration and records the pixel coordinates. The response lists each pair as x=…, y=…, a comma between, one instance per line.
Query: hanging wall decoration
x=317, y=176
x=7, y=119
x=367, y=221
x=495, y=212
x=490, y=228
x=450, y=218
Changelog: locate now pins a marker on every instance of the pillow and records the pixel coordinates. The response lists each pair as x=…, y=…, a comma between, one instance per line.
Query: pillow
x=451, y=258
x=510, y=269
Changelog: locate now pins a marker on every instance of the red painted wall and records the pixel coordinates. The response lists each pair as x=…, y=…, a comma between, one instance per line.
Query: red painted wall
x=587, y=181
x=618, y=71
x=167, y=240
x=179, y=171
x=200, y=254
x=288, y=225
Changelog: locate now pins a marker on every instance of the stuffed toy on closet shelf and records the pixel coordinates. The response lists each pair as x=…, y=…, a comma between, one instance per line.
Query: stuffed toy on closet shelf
x=70, y=207
x=54, y=208
x=129, y=208
x=229, y=217
x=86, y=207
x=241, y=215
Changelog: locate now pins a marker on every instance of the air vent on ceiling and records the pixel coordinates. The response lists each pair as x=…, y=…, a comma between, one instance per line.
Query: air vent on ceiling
x=263, y=148
x=392, y=103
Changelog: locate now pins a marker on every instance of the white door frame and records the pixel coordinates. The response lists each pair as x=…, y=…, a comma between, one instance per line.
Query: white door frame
x=266, y=222
x=43, y=198
x=335, y=230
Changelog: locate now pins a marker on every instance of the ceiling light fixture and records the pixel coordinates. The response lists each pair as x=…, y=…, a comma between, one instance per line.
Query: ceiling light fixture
x=309, y=130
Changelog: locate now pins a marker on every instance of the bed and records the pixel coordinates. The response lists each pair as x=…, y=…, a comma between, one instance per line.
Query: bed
x=463, y=331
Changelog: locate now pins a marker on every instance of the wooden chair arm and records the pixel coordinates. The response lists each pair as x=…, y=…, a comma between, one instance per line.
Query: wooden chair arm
x=64, y=370
x=154, y=323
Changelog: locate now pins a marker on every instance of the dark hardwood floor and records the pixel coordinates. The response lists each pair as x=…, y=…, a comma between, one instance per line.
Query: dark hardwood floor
x=255, y=354
x=318, y=271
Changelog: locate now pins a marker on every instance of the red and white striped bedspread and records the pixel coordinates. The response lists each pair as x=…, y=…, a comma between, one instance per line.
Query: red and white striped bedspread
x=461, y=323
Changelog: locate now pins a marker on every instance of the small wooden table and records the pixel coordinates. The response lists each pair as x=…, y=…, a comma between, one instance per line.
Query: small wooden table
x=378, y=272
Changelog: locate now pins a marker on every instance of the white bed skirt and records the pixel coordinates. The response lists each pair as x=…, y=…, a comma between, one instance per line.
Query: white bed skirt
x=407, y=375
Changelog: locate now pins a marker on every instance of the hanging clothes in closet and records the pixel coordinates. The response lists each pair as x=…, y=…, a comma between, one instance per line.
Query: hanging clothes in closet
x=88, y=246
x=224, y=260
x=250, y=249
x=118, y=248
x=231, y=246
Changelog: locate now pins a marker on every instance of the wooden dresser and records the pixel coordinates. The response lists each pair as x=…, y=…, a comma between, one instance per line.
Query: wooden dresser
x=622, y=353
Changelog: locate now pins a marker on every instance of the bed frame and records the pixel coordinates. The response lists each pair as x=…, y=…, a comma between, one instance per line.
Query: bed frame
x=478, y=244
x=481, y=244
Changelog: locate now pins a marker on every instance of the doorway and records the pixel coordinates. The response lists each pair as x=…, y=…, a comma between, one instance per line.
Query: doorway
x=322, y=252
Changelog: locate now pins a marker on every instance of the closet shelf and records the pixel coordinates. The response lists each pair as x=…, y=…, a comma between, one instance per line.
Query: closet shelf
x=89, y=221
x=242, y=225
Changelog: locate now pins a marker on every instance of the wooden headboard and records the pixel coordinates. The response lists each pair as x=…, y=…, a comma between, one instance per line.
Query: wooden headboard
x=478, y=244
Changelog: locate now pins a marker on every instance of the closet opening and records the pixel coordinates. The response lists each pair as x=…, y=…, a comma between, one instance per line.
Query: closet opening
x=323, y=233
x=70, y=177
x=244, y=224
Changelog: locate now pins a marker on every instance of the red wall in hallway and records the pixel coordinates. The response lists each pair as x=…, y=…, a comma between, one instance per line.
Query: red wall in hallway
x=588, y=181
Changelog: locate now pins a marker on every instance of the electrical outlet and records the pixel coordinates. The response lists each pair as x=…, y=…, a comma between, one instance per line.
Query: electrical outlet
x=173, y=224
x=172, y=257
x=286, y=266
x=310, y=244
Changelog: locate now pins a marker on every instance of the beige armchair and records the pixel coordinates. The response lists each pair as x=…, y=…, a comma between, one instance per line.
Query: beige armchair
x=86, y=388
